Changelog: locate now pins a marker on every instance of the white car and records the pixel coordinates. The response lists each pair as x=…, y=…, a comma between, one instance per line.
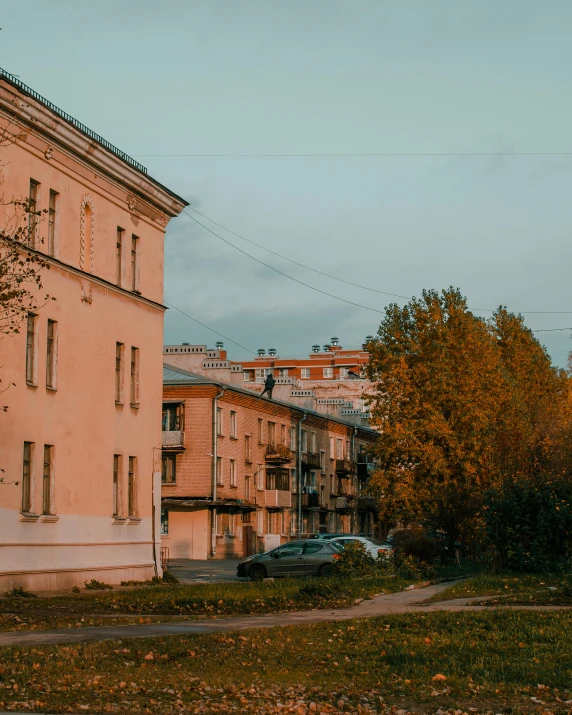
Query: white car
x=374, y=547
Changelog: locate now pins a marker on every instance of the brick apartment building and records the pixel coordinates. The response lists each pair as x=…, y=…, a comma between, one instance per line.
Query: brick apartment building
x=328, y=380
x=80, y=442
x=242, y=473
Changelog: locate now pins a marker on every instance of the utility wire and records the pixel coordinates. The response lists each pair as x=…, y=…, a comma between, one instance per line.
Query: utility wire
x=342, y=280
x=307, y=285
x=365, y=154
x=174, y=307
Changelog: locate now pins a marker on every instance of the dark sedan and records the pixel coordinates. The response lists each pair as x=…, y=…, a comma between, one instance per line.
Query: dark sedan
x=297, y=558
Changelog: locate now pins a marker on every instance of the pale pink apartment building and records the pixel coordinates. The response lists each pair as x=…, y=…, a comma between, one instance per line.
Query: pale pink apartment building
x=80, y=444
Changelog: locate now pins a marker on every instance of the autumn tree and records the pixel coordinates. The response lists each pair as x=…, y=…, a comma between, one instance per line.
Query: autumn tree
x=461, y=403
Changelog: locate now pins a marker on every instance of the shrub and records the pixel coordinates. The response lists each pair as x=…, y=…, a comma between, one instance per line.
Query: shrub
x=19, y=593
x=529, y=525
x=412, y=568
x=95, y=585
x=418, y=544
x=169, y=577
x=355, y=560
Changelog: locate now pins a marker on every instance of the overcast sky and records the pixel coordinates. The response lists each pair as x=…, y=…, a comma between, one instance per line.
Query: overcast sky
x=327, y=77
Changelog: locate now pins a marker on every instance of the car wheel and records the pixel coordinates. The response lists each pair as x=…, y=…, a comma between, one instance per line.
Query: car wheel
x=327, y=571
x=257, y=572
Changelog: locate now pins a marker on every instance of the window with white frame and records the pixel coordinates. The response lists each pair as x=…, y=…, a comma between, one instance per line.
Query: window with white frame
x=219, y=420
x=31, y=348
x=219, y=476
x=260, y=477
x=247, y=448
x=322, y=459
x=305, y=373
x=332, y=448
x=292, y=438
x=233, y=424
x=293, y=480
x=314, y=443
x=51, y=361
x=328, y=372
x=232, y=472
x=283, y=372
x=343, y=373
x=339, y=449
x=260, y=522
x=231, y=524
x=272, y=433
x=304, y=444
x=260, y=431
x=27, y=466
x=284, y=435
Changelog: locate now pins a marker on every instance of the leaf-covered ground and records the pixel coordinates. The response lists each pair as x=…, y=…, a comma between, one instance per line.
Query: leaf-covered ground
x=487, y=662
x=521, y=589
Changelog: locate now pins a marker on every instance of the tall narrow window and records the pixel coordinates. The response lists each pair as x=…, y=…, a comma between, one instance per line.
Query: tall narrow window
x=284, y=435
x=233, y=424
x=47, y=479
x=134, y=262
x=119, y=373
x=51, y=355
x=31, y=349
x=219, y=476
x=119, y=257
x=32, y=212
x=52, y=217
x=169, y=469
x=134, y=387
x=232, y=472
x=247, y=488
x=292, y=438
x=340, y=449
x=260, y=431
x=116, y=483
x=132, y=488
x=27, y=477
x=304, y=445
x=219, y=420
x=248, y=448
x=271, y=433
x=260, y=476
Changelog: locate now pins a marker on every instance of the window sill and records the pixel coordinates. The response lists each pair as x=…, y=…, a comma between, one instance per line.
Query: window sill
x=235, y=439
x=136, y=291
x=49, y=388
x=49, y=518
x=234, y=486
x=28, y=516
x=134, y=405
x=168, y=484
x=220, y=484
x=31, y=384
x=118, y=520
x=118, y=404
x=247, y=460
x=134, y=520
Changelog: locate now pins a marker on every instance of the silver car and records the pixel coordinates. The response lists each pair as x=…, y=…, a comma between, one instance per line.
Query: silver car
x=297, y=558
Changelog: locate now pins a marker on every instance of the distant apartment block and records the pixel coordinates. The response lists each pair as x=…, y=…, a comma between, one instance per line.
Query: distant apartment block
x=242, y=473
x=80, y=444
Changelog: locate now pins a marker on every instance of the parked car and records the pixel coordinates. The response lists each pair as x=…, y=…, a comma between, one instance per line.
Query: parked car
x=374, y=547
x=327, y=537
x=297, y=558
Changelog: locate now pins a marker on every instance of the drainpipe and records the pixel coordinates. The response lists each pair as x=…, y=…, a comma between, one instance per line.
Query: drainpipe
x=213, y=472
x=299, y=475
x=353, y=443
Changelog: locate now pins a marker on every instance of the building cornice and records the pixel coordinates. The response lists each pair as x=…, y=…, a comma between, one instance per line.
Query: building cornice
x=36, y=118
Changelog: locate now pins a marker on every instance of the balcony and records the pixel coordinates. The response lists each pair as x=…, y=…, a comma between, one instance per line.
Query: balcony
x=278, y=453
x=311, y=460
x=365, y=469
x=343, y=503
x=366, y=504
x=173, y=439
x=310, y=501
x=344, y=466
x=277, y=498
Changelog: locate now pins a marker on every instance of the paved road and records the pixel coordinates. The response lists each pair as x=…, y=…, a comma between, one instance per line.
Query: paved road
x=404, y=602
x=188, y=571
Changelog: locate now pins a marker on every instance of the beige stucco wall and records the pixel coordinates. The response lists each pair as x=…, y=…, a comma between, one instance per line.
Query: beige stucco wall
x=81, y=539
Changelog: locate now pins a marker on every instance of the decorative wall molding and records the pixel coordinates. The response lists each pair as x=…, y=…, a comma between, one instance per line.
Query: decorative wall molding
x=86, y=201
x=87, y=297
x=49, y=152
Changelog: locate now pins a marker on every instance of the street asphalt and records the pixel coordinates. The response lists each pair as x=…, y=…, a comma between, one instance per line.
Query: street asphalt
x=188, y=571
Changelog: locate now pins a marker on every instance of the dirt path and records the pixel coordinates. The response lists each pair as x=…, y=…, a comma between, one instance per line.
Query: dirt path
x=403, y=602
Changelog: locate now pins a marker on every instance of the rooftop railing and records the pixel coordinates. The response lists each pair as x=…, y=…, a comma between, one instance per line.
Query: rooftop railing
x=74, y=122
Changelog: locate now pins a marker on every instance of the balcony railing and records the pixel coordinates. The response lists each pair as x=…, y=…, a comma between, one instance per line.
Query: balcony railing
x=343, y=503
x=344, y=466
x=311, y=460
x=366, y=504
x=310, y=501
x=365, y=469
x=173, y=439
x=278, y=453
x=278, y=498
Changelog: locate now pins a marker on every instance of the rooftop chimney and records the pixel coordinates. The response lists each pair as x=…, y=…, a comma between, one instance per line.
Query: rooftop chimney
x=219, y=345
x=315, y=348
x=368, y=339
x=272, y=351
x=261, y=352
x=185, y=343
x=335, y=341
x=327, y=348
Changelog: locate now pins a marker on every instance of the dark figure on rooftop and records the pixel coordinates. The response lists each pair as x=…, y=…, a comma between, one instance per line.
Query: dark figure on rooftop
x=268, y=386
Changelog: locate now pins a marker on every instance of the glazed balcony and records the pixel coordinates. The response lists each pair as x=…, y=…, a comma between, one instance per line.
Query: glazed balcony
x=278, y=454
x=173, y=439
x=366, y=504
x=310, y=501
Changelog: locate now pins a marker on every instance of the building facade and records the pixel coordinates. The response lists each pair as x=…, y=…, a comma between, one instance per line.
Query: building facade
x=242, y=473
x=80, y=444
x=329, y=380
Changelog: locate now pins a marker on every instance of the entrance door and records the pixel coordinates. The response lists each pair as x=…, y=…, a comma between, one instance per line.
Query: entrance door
x=288, y=560
x=248, y=536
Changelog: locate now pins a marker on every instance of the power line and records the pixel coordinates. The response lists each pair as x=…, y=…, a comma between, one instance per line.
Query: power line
x=174, y=307
x=307, y=285
x=342, y=280
x=366, y=154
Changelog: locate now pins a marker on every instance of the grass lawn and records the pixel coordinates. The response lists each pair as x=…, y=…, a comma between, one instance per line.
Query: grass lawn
x=491, y=662
x=191, y=601
x=521, y=589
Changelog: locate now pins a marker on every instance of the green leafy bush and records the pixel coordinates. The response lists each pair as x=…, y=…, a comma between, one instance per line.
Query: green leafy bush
x=355, y=560
x=95, y=585
x=19, y=593
x=418, y=544
x=529, y=525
